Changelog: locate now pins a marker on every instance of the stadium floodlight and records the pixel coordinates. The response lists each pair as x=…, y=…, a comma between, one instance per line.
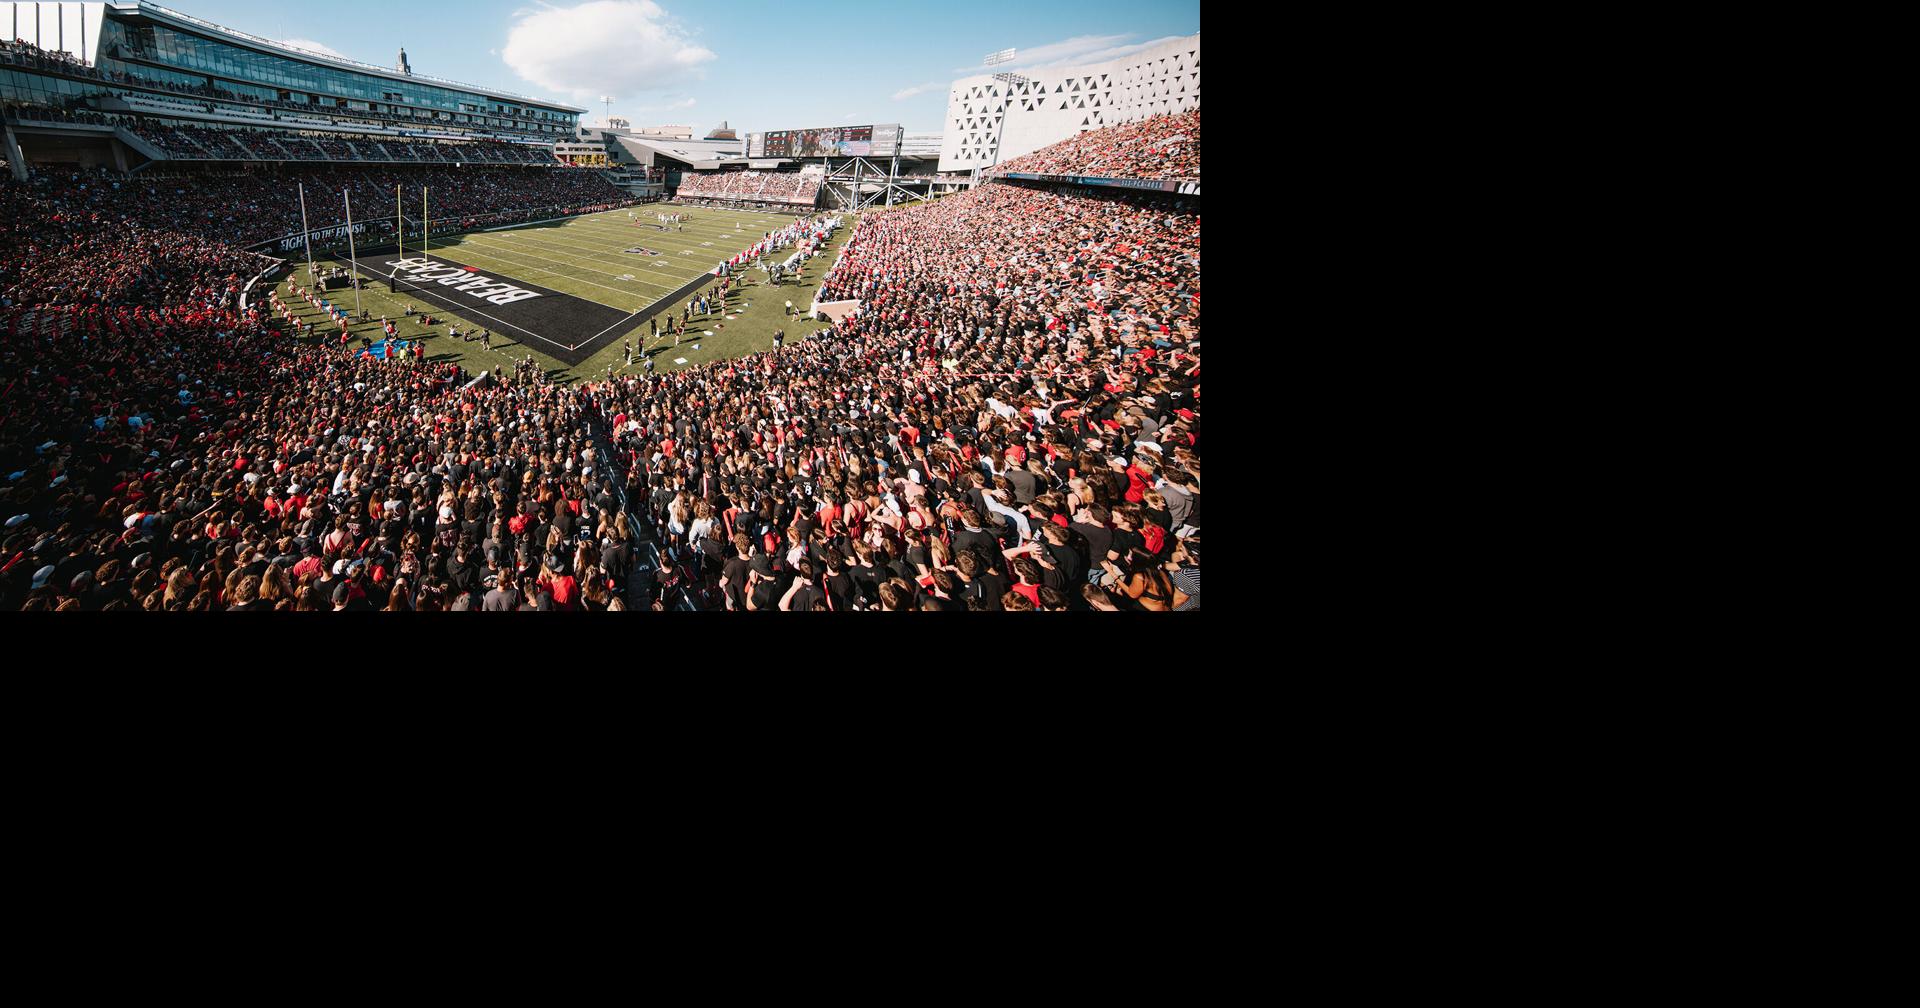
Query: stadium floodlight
x=608, y=100
x=995, y=59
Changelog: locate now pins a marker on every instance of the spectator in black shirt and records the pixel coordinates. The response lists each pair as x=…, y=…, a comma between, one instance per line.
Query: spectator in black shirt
x=981, y=583
x=1091, y=523
x=973, y=535
x=842, y=591
x=734, y=573
x=803, y=593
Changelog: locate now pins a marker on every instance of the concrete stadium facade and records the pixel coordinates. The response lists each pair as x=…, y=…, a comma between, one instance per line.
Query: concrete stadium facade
x=989, y=121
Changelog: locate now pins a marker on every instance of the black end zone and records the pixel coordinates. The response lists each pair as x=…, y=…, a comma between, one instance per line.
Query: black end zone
x=567, y=328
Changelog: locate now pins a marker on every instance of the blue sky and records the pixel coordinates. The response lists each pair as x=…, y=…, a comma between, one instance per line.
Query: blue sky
x=752, y=63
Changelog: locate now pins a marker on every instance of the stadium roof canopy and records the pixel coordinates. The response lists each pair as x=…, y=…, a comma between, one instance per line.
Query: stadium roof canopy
x=698, y=153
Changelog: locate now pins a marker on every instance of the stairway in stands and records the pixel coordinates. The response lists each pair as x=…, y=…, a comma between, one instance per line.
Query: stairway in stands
x=648, y=553
x=192, y=144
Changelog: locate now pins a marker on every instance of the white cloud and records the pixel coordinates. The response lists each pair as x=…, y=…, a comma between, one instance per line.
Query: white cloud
x=903, y=95
x=689, y=103
x=1070, y=52
x=1103, y=55
x=616, y=47
x=312, y=46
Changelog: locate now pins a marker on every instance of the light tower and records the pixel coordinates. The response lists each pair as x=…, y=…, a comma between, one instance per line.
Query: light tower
x=608, y=101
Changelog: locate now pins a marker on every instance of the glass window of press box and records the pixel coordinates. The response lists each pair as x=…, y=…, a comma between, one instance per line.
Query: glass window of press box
x=136, y=49
x=28, y=88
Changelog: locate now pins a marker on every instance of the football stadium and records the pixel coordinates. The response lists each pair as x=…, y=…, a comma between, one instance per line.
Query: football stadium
x=281, y=329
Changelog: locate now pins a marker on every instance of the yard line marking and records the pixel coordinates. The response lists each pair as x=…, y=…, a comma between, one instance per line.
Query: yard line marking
x=578, y=256
x=537, y=269
x=606, y=254
x=573, y=252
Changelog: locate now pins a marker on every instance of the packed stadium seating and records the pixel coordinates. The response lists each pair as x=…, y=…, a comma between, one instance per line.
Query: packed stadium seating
x=1020, y=359
x=1163, y=147
x=129, y=341
x=1025, y=362
x=800, y=189
x=1006, y=416
x=42, y=114
x=248, y=208
x=258, y=145
x=336, y=149
x=209, y=143
x=193, y=142
x=294, y=148
x=791, y=188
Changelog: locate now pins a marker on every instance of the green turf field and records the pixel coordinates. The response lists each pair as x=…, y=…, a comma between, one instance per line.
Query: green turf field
x=585, y=257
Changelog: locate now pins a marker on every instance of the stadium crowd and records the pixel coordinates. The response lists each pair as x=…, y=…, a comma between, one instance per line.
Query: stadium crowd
x=723, y=188
x=207, y=143
x=247, y=208
x=1162, y=147
x=1009, y=421
x=164, y=449
x=41, y=113
x=72, y=243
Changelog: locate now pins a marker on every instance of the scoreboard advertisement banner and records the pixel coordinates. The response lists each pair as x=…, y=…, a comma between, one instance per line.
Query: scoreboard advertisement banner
x=835, y=141
x=1160, y=185
x=832, y=141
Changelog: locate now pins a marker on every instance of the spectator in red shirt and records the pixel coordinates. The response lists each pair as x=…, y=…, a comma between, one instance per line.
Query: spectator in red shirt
x=1029, y=574
x=987, y=316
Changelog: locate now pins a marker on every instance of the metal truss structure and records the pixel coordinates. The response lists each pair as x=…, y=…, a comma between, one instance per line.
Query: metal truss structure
x=857, y=183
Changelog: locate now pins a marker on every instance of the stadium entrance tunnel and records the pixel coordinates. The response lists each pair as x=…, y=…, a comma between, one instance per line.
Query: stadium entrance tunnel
x=566, y=328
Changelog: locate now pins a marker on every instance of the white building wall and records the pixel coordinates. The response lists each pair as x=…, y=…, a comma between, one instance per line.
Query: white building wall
x=72, y=28
x=1064, y=101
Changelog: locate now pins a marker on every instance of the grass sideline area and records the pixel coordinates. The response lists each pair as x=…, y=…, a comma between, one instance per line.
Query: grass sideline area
x=585, y=257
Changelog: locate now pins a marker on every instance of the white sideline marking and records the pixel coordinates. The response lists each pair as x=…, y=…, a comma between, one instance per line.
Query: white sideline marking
x=530, y=223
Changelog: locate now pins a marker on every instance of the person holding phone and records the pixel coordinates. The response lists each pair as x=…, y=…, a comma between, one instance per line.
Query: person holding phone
x=1142, y=580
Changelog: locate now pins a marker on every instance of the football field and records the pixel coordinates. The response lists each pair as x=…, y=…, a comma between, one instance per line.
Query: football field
x=572, y=293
